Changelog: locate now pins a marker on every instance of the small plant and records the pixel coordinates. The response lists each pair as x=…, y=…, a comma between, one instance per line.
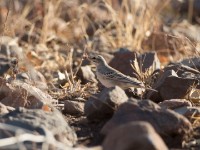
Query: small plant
x=147, y=76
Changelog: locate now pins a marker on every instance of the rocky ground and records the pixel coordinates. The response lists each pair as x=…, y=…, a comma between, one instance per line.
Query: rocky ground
x=50, y=97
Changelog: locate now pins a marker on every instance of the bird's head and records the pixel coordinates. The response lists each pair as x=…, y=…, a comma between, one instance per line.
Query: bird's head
x=97, y=60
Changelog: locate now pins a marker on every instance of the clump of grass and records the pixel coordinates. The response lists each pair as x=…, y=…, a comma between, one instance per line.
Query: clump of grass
x=127, y=27
x=146, y=76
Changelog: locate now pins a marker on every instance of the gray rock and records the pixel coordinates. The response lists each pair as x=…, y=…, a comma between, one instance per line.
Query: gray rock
x=170, y=86
x=89, y=148
x=74, y=107
x=104, y=104
x=180, y=69
x=85, y=74
x=170, y=125
x=147, y=60
x=136, y=135
x=5, y=109
x=37, y=121
x=174, y=103
x=192, y=113
x=193, y=62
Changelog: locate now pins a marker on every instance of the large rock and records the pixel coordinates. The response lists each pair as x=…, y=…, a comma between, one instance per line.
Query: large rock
x=148, y=60
x=170, y=125
x=125, y=56
x=104, y=104
x=136, y=135
x=145, y=61
x=39, y=122
x=170, y=86
x=17, y=93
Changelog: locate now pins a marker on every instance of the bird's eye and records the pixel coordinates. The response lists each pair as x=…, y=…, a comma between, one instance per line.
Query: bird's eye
x=94, y=58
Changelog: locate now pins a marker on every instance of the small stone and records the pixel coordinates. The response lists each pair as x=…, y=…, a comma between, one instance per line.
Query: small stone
x=192, y=112
x=104, y=104
x=88, y=148
x=73, y=107
x=192, y=62
x=174, y=103
x=5, y=109
x=85, y=74
x=136, y=135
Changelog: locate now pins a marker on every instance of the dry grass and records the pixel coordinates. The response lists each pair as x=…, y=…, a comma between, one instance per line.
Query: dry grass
x=61, y=32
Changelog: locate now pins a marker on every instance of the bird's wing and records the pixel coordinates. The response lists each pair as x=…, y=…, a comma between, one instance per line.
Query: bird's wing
x=112, y=74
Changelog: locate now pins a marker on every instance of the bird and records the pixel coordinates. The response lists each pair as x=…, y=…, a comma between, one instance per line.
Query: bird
x=111, y=77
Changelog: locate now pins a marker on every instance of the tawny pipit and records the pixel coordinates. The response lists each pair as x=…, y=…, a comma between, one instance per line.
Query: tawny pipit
x=111, y=77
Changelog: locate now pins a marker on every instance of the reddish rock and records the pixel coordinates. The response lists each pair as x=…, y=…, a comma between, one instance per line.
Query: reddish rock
x=174, y=103
x=51, y=125
x=74, y=107
x=121, y=61
x=104, y=104
x=136, y=135
x=170, y=125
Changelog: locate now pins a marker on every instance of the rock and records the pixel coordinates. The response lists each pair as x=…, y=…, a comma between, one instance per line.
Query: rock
x=180, y=69
x=89, y=148
x=136, y=135
x=170, y=86
x=9, y=50
x=194, y=95
x=174, y=103
x=191, y=113
x=148, y=60
x=85, y=74
x=39, y=122
x=9, y=47
x=33, y=77
x=182, y=8
x=104, y=104
x=4, y=65
x=125, y=56
x=181, y=106
x=74, y=107
x=169, y=125
x=30, y=38
x=20, y=94
x=5, y=109
x=192, y=63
